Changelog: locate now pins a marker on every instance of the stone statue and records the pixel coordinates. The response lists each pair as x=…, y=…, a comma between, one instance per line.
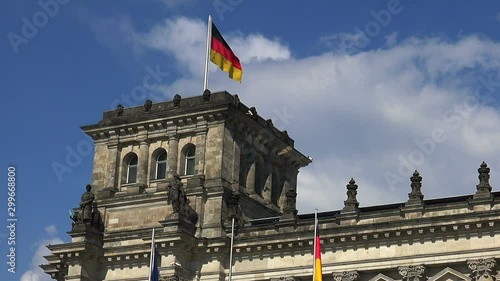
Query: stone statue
x=253, y=112
x=269, y=122
x=177, y=100
x=176, y=196
x=74, y=218
x=290, y=207
x=206, y=95
x=147, y=105
x=85, y=213
x=119, y=110
x=236, y=101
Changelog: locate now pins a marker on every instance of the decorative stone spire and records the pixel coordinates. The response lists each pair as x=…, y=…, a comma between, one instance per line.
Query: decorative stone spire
x=415, y=196
x=484, y=187
x=351, y=204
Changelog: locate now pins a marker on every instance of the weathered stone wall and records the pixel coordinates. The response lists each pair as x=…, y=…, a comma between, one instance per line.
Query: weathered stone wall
x=136, y=217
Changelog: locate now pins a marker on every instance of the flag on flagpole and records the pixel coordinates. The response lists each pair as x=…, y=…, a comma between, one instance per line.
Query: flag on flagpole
x=222, y=55
x=318, y=273
x=154, y=274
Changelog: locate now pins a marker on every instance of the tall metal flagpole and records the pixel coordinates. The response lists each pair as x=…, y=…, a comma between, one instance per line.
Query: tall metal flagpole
x=314, y=244
x=151, y=254
x=209, y=39
x=231, y=253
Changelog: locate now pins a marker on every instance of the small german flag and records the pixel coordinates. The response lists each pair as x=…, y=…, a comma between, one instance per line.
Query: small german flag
x=318, y=272
x=222, y=55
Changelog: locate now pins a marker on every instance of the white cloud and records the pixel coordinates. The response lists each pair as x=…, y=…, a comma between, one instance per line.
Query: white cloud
x=35, y=273
x=51, y=230
x=116, y=33
x=185, y=39
x=363, y=115
x=391, y=39
x=182, y=38
x=346, y=42
x=256, y=47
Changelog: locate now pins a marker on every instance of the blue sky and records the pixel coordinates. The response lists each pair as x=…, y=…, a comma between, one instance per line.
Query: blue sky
x=369, y=89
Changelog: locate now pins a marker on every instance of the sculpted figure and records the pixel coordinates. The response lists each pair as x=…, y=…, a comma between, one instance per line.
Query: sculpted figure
x=119, y=110
x=177, y=100
x=85, y=213
x=175, y=195
x=206, y=95
x=147, y=105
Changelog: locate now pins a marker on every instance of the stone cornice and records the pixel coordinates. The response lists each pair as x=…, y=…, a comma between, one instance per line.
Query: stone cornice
x=269, y=139
x=125, y=200
x=268, y=243
x=194, y=118
x=130, y=200
x=369, y=235
x=126, y=132
x=58, y=249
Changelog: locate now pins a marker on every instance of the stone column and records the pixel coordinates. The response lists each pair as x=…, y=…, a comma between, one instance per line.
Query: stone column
x=283, y=198
x=250, y=182
x=235, y=173
x=142, y=165
x=268, y=186
x=112, y=165
x=200, y=153
x=172, y=156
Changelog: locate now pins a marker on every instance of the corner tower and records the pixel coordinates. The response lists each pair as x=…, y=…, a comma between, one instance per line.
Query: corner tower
x=216, y=144
x=185, y=167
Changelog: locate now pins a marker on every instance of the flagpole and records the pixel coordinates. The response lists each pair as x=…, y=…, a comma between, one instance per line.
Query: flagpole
x=207, y=58
x=231, y=253
x=151, y=254
x=314, y=244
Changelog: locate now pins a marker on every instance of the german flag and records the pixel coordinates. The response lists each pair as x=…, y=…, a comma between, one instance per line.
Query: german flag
x=223, y=56
x=318, y=273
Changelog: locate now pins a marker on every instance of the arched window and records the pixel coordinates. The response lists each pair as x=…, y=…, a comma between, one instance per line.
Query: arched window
x=132, y=169
x=190, y=161
x=259, y=176
x=161, y=166
x=277, y=187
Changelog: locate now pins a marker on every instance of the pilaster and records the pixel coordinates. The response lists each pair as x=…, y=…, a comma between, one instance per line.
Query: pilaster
x=172, y=156
x=142, y=167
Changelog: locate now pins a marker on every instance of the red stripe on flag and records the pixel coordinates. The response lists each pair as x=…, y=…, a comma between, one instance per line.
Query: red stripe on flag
x=219, y=47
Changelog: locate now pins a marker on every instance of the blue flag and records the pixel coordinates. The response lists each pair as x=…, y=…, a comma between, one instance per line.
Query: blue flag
x=154, y=274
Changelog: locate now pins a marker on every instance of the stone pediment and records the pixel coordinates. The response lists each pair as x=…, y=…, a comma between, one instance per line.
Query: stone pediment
x=381, y=277
x=449, y=274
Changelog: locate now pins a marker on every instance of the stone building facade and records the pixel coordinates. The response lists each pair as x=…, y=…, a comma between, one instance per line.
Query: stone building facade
x=187, y=167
